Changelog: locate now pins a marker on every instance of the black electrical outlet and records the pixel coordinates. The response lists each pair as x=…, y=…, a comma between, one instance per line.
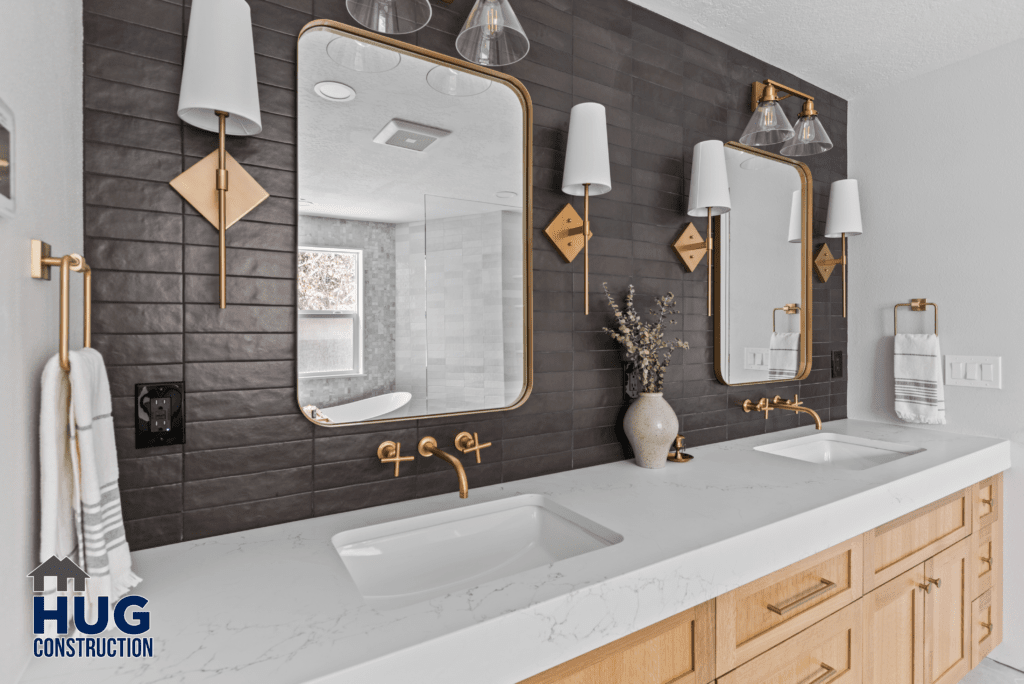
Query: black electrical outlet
x=837, y=363
x=159, y=414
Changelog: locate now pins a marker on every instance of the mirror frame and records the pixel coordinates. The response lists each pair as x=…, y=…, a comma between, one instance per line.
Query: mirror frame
x=806, y=294
x=524, y=98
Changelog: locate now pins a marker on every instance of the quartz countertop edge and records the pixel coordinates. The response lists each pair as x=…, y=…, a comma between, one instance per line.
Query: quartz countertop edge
x=276, y=604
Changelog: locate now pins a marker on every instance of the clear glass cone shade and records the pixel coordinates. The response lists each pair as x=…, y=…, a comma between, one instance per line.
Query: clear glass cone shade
x=456, y=83
x=810, y=138
x=390, y=16
x=492, y=36
x=767, y=126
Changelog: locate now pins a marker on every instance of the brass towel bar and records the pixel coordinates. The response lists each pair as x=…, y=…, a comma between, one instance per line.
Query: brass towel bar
x=41, y=263
x=788, y=308
x=915, y=305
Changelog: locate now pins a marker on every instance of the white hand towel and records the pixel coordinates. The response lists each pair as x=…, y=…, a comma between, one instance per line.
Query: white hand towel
x=103, y=544
x=918, y=371
x=783, y=356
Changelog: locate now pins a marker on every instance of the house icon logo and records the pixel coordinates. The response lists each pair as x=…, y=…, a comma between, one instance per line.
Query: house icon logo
x=64, y=569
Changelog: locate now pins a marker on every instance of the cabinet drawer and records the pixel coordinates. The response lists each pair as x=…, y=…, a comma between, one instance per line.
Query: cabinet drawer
x=679, y=650
x=986, y=626
x=826, y=653
x=757, y=616
x=988, y=501
x=894, y=548
x=986, y=557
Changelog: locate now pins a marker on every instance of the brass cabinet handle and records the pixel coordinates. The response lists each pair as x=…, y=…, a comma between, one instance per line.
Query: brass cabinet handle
x=991, y=502
x=987, y=560
x=927, y=586
x=988, y=626
x=802, y=598
x=830, y=672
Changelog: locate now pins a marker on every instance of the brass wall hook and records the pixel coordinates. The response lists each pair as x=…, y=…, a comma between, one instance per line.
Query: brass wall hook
x=391, y=452
x=466, y=442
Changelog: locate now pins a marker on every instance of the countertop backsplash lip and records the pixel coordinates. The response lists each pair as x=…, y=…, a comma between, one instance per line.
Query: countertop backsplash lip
x=691, y=532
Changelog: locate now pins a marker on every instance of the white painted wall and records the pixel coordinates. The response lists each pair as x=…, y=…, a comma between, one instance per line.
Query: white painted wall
x=41, y=81
x=940, y=160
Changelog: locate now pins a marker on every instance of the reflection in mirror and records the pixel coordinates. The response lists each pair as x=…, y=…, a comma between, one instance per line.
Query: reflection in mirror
x=763, y=299
x=412, y=273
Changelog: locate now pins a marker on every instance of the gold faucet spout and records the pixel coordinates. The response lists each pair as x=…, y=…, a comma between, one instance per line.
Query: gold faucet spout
x=428, y=447
x=796, y=406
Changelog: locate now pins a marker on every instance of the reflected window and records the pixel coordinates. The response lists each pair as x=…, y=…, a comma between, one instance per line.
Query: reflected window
x=330, y=291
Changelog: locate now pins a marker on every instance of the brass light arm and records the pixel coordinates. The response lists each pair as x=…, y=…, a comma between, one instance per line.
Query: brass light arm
x=758, y=88
x=428, y=447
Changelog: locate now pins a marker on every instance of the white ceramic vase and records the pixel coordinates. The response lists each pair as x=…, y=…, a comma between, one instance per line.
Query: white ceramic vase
x=651, y=426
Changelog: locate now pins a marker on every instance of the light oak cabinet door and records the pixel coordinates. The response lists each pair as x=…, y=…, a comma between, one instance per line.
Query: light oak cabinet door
x=947, y=611
x=898, y=546
x=828, y=652
x=894, y=631
x=679, y=650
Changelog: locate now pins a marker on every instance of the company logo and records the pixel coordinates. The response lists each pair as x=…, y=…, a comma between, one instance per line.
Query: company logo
x=83, y=645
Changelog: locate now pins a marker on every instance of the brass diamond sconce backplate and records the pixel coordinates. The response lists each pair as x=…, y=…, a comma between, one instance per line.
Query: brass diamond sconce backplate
x=824, y=263
x=566, y=231
x=198, y=186
x=690, y=247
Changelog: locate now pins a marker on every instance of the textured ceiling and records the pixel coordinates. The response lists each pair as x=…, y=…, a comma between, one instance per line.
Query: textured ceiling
x=851, y=46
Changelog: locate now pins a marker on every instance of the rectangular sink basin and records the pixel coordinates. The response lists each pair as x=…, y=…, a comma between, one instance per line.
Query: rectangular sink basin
x=840, y=451
x=407, y=561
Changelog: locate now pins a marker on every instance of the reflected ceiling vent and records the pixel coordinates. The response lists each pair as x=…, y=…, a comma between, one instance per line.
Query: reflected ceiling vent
x=409, y=135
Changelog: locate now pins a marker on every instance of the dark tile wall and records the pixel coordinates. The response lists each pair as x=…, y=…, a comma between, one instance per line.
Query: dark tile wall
x=251, y=458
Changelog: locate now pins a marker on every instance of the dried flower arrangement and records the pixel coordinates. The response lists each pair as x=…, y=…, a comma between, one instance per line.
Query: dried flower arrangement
x=644, y=342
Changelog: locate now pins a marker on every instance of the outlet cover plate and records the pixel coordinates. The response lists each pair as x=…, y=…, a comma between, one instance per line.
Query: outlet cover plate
x=974, y=371
x=171, y=432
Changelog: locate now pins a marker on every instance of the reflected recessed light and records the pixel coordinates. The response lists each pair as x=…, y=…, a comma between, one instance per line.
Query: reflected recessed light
x=334, y=91
x=506, y=194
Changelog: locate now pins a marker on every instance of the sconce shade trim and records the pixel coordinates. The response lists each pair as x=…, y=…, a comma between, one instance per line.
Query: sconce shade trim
x=810, y=138
x=586, y=153
x=843, y=209
x=393, y=17
x=219, y=72
x=492, y=35
x=709, y=181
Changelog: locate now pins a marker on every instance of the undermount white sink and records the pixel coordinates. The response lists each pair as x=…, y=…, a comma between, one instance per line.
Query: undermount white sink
x=407, y=561
x=840, y=451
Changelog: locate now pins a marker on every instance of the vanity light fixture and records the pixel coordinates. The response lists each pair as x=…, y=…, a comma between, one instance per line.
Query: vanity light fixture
x=769, y=124
x=709, y=193
x=219, y=94
x=843, y=219
x=393, y=17
x=587, y=172
x=492, y=35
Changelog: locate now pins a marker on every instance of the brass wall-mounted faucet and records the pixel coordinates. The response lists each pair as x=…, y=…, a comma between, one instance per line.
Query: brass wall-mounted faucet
x=391, y=452
x=428, y=447
x=780, y=403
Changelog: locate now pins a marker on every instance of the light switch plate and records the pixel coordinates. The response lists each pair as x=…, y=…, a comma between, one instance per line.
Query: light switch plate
x=974, y=371
x=755, y=358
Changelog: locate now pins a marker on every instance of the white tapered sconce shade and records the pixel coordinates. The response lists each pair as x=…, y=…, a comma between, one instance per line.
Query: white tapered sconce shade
x=796, y=218
x=843, y=209
x=219, y=73
x=393, y=17
x=492, y=35
x=709, y=196
x=586, y=153
x=219, y=94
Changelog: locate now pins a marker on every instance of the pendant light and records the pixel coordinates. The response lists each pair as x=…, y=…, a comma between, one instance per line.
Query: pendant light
x=393, y=17
x=492, y=35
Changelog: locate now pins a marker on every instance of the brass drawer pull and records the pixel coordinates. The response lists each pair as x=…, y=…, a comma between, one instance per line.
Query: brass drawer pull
x=987, y=560
x=803, y=598
x=988, y=626
x=927, y=586
x=829, y=674
x=990, y=502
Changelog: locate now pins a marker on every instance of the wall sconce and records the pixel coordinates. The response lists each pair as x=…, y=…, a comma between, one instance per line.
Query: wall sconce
x=219, y=94
x=843, y=219
x=393, y=17
x=587, y=172
x=769, y=124
x=709, y=192
x=492, y=35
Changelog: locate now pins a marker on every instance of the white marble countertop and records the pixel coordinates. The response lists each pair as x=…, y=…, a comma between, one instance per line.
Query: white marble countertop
x=276, y=605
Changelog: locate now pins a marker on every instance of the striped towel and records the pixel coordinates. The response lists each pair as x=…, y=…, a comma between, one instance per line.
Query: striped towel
x=783, y=356
x=101, y=538
x=918, y=371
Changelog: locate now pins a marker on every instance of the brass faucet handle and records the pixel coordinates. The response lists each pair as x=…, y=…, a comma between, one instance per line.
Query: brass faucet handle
x=391, y=452
x=678, y=456
x=466, y=442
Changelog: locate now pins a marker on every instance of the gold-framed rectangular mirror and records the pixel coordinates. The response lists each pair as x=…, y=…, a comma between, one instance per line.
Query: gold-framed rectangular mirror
x=763, y=301
x=414, y=232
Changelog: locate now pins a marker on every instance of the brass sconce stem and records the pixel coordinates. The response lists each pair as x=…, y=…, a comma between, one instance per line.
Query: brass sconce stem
x=844, y=275
x=222, y=209
x=824, y=264
x=586, y=249
x=711, y=253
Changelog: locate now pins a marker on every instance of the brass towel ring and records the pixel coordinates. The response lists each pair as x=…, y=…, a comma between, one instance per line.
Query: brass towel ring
x=915, y=305
x=41, y=261
x=788, y=308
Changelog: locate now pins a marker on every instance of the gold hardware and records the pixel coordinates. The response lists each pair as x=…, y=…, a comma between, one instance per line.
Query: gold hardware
x=566, y=232
x=803, y=597
x=789, y=309
x=4, y=163
x=761, y=405
x=915, y=305
x=586, y=249
x=678, y=456
x=691, y=248
x=991, y=503
x=825, y=263
x=428, y=447
x=213, y=201
x=41, y=261
x=391, y=452
x=767, y=91
x=987, y=560
x=466, y=442
x=797, y=406
x=989, y=626
x=830, y=672
x=312, y=413
x=927, y=586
